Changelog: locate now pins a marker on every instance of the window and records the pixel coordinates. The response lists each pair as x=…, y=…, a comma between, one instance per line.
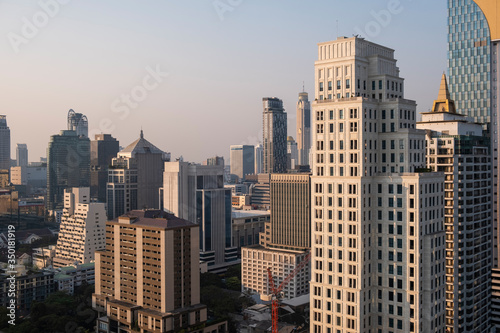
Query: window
x=341, y=114
x=338, y=84
x=321, y=86
x=380, y=84
x=348, y=83
x=330, y=85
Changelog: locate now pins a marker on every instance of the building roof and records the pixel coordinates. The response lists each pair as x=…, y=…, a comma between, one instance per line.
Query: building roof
x=153, y=218
x=297, y=301
x=140, y=146
x=444, y=103
x=238, y=214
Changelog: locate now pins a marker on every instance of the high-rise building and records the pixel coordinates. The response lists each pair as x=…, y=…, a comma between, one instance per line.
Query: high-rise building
x=303, y=128
x=102, y=151
x=216, y=160
x=78, y=122
x=292, y=153
x=469, y=38
x=135, y=178
x=82, y=230
x=259, y=157
x=22, y=155
x=285, y=241
x=260, y=191
x=4, y=144
x=196, y=193
x=456, y=146
x=378, y=237
x=68, y=165
x=148, y=276
x=275, y=135
x=242, y=159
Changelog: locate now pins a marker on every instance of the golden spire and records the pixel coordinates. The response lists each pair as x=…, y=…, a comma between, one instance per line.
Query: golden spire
x=444, y=103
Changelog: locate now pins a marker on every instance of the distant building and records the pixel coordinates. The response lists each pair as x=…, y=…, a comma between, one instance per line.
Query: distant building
x=102, y=151
x=82, y=228
x=259, y=159
x=43, y=257
x=68, y=166
x=78, y=122
x=292, y=153
x=68, y=278
x=4, y=144
x=30, y=287
x=22, y=154
x=260, y=192
x=34, y=177
x=216, y=160
x=135, y=177
x=242, y=158
x=247, y=226
x=156, y=290
x=304, y=128
x=275, y=135
x=196, y=193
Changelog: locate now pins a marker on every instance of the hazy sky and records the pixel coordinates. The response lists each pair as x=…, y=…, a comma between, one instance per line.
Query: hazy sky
x=221, y=56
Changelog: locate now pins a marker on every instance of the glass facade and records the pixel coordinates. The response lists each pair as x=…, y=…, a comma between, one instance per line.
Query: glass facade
x=469, y=60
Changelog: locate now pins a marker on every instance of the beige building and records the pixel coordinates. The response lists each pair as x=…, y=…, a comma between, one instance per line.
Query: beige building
x=148, y=276
x=247, y=225
x=82, y=228
x=378, y=237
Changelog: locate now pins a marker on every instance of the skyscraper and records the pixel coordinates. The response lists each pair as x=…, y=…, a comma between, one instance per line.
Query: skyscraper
x=82, y=228
x=292, y=153
x=259, y=157
x=22, y=155
x=4, y=144
x=135, y=178
x=102, y=151
x=242, y=159
x=457, y=147
x=153, y=282
x=197, y=194
x=378, y=237
x=275, y=135
x=68, y=165
x=303, y=128
x=78, y=122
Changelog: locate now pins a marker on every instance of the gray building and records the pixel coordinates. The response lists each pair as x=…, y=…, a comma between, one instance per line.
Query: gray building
x=78, y=122
x=4, y=144
x=68, y=165
x=196, y=193
x=102, y=151
x=303, y=128
x=259, y=156
x=135, y=178
x=242, y=159
x=275, y=135
x=22, y=155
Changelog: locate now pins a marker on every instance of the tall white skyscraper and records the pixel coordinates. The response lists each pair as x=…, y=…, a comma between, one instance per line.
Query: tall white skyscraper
x=22, y=154
x=303, y=128
x=378, y=237
x=4, y=144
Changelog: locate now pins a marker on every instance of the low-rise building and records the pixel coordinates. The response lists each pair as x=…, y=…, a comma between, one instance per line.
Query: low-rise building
x=247, y=224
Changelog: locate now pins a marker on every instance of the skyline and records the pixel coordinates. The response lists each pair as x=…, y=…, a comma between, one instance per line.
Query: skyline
x=223, y=61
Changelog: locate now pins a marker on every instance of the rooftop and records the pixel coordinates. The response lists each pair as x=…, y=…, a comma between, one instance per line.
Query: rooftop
x=153, y=218
x=237, y=214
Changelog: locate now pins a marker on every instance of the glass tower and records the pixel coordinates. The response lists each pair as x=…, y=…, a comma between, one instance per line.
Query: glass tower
x=469, y=60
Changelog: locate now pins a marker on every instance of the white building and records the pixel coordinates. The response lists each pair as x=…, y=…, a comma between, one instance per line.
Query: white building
x=378, y=239
x=82, y=229
x=72, y=276
x=43, y=256
x=457, y=147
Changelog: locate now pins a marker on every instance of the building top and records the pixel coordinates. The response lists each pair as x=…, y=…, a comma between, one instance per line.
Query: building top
x=152, y=219
x=352, y=46
x=140, y=146
x=491, y=11
x=444, y=103
x=238, y=214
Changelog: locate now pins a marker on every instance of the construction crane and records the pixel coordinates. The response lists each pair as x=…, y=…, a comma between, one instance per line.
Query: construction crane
x=275, y=292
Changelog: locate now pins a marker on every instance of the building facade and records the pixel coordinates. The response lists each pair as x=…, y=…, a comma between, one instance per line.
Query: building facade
x=68, y=165
x=378, y=237
x=456, y=146
x=82, y=228
x=196, y=193
x=22, y=155
x=156, y=288
x=274, y=136
x=4, y=144
x=303, y=128
x=102, y=151
x=242, y=159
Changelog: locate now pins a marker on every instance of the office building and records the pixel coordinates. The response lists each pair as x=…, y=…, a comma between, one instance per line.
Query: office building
x=456, y=146
x=4, y=144
x=303, y=128
x=292, y=153
x=78, y=122
x=33, y=177
x=102, y=151
x=68, y=165
x=216, y=160
x=196, y=193
x=259, y=157
x=285, y=241
x=22, y=154
x=247, y=227
x=135, y=178
x=259, y=191
x=275, y=135
x=242, y=159
x=378, y=237
x=82, y=228
x=157, y=288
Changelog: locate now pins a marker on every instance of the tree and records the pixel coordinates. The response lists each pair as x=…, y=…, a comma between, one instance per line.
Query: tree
x=233, y=283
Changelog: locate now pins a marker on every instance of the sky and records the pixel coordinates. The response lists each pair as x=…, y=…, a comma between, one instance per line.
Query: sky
x=191, y=73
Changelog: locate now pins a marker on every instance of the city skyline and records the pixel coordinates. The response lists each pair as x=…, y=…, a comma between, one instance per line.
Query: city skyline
x=99, y=59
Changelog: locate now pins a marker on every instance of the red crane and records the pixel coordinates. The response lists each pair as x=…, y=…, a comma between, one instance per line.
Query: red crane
x=275, y=292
